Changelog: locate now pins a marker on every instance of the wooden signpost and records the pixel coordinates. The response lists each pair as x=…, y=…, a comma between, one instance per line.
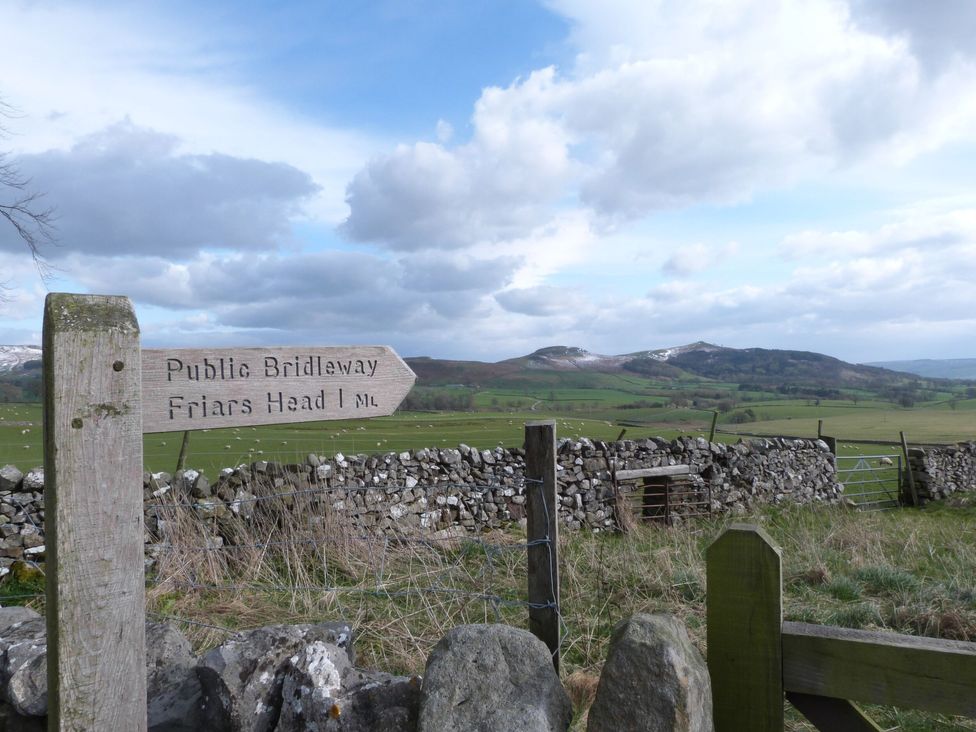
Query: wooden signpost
x=101, y=394
x=188, y=389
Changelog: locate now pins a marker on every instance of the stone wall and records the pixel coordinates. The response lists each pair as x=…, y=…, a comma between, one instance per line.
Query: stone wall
x=464, y=489
x=941, y=471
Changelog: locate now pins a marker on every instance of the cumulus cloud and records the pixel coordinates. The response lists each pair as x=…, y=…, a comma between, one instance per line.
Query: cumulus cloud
x=538, y=301
x=128, y=190
x=427, y=195
x=671, y=103
x=938, y=232
x=694, y=258
x=939, y=33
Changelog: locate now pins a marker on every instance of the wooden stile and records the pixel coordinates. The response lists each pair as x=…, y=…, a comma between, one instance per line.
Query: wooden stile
x=832, y=715
x=744, y=619
x=93, y=470
x=542, y=513
x=880, y=668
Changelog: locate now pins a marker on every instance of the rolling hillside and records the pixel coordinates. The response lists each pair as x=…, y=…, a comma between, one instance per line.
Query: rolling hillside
x=696, y=361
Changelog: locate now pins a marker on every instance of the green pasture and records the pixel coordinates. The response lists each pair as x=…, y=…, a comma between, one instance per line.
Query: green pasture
x=600, y=413
x=930, y=424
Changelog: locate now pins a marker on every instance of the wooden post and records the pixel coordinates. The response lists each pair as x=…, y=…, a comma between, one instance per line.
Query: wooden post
x=908, y=471
x=96, y=660
x=542, y=514
x=819, y=429
x=184, y=448
x=711, y=432
x=744, y=616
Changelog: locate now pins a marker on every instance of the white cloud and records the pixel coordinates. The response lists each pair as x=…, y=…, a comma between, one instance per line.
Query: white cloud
x=694, y=258
x=81, y=68
x=126, y=190
x=670, y=104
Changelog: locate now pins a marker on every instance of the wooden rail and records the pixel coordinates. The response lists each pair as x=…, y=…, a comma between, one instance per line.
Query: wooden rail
x=658, y=472
x=755, y=659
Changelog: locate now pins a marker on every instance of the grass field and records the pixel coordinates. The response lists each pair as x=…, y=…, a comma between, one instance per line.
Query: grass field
x=21, y=435
x=910, y=571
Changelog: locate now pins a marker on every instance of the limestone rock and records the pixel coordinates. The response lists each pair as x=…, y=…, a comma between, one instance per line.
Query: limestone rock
x=23, y=666
x=34, y=480
x=172, y=687
x=14, y=614
x=10, y=478
x=492, y=677
x=654, y=680
x=11, y=721
x=242, y=678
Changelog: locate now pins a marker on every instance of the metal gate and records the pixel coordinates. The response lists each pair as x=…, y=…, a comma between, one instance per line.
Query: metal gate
x=871, y=482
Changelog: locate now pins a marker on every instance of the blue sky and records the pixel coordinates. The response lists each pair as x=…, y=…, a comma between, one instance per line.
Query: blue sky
x=481, y=179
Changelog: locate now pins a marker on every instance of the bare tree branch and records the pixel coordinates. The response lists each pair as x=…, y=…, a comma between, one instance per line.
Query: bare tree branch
x=22, y=207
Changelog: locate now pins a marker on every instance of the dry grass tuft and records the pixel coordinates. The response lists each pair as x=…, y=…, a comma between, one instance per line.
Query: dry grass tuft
x=908, y=571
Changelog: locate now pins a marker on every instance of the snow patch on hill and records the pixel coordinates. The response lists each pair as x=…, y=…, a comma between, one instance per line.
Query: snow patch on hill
x=13, y=357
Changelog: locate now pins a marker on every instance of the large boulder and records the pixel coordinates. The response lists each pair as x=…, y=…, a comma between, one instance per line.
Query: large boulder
x=654, y=680
x=242, y=678
x=10, y=721
x=492, y=677
x=322, y=692
x=13, y=615
x=172, y=688
x=23, y=666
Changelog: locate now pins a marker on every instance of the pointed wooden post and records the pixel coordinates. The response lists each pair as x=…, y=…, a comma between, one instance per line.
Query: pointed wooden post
x=96, y=658
x=745, y=617
x=542, y=519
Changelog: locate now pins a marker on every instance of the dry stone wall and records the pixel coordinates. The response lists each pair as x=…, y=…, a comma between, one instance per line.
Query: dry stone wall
x=940, y=472
x=456, y=489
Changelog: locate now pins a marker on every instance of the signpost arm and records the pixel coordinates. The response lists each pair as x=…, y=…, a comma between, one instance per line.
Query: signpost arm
x=96, y=658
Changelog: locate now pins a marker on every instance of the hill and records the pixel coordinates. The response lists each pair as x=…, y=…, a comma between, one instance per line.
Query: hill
x=20, y=373
x=934, y=368
x=19, y=358
x=696, y=361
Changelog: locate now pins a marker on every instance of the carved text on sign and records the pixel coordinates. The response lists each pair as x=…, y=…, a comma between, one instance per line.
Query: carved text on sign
x=194, y=388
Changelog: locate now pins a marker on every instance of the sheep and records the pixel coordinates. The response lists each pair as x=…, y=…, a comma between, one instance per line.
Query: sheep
x=885, y=461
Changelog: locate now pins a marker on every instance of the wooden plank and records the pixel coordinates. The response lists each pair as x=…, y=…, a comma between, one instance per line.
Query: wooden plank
x=542, y=518
x=832, y=715
x=744, y=616
x=657, y=472
x=187, y=389
x=880, y=668
x=908, y=471
x=93, y=491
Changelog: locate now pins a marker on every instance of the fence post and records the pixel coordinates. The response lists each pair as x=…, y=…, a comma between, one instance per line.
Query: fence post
x=96, y=658
x=912, y=493
x=744, y=618
x=542, y=518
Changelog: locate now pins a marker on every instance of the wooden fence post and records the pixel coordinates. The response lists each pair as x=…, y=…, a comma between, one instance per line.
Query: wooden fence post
x=745, y=616
x=96, y=658
x=912, y=493
x=542, y=515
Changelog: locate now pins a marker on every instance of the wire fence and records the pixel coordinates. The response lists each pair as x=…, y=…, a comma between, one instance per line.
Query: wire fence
x=289, y=556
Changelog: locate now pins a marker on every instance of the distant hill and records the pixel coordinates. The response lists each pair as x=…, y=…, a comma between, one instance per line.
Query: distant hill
x=20, y=373
x=704, y=361
x=934, y=368
x=19, y=358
